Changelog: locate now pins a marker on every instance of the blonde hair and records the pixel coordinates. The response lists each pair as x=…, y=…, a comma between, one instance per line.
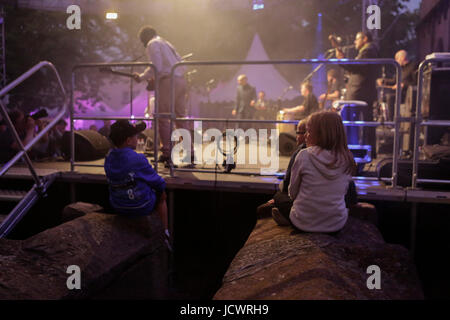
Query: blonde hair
x=328, y=131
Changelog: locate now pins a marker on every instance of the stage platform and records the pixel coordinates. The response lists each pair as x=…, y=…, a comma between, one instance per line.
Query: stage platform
x=370, y=189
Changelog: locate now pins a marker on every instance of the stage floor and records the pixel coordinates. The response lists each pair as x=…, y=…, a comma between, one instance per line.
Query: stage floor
x=368, y=188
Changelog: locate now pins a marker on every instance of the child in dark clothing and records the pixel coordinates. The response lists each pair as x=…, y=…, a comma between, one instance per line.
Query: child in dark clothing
x=135, y=188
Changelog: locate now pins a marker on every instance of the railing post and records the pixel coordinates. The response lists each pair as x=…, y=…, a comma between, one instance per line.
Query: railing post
x=398, y=98
x=23, y=149
x=418, y=124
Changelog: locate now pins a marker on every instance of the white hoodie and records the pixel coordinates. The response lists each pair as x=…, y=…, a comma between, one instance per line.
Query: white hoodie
x=318, y=192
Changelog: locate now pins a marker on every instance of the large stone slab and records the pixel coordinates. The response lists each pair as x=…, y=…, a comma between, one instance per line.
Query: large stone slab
x=279, y=263
x=104, y=247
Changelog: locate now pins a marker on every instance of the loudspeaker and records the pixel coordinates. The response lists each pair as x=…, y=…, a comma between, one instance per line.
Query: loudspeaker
x=436, y=100
x=89, y=145
x=288, y=144
x=435, y=170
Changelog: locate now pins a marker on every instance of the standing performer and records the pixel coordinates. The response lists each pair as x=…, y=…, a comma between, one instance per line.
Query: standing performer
x=163, y=55
x=261, y=108
x=245, y=100
x=362, y=81
x=409, y=78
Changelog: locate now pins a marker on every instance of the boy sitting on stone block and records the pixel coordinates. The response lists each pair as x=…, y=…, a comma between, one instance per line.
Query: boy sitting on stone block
x=135, y=189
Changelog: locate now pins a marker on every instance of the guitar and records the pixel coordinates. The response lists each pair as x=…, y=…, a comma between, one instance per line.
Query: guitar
x=150, y=82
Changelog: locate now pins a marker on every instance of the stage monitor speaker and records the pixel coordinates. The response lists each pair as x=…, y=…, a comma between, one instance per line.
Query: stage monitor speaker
x=436, y=100
x=287, y=144
x=435, y=170
x=89, y=145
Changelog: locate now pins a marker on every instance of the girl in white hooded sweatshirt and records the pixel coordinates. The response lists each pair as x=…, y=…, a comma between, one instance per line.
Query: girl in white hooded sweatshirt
x=320, y=176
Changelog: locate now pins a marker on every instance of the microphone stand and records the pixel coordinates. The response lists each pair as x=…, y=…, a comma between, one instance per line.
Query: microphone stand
x=131, y=85
x=327, y=55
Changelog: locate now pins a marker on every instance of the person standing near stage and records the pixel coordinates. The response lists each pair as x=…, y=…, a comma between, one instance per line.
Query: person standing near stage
x=362, y=81
x=163, y=55
x=245, y=100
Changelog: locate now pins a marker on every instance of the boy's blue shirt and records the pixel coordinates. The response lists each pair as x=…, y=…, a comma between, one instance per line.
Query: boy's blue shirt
x=132, y=182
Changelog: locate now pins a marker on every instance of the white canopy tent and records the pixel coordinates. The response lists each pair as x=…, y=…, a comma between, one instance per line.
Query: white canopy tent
x=263, y=77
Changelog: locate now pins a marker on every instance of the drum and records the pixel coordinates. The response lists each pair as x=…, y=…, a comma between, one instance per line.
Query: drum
x=289, y=128
x=352, y=111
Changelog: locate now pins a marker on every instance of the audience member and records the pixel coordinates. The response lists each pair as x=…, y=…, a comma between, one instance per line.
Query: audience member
x=25, y=127
x=135, y=188
x=281, y=199
x=106, y=129
x=320, y=177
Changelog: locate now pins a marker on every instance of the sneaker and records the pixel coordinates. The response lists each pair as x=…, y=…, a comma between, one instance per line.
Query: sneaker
x=279, y=218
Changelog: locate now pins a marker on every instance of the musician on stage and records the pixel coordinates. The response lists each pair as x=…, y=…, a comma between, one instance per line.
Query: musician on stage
x=245, y=100
x=309, y=106
x=261, y=104
x=261, y=108
x=362, y=81
x=409, y=74
x=334, y=89
x=409, y=79
x=163, y=55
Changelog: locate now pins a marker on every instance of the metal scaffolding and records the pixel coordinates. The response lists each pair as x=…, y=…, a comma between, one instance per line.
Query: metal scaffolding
x=2, y=49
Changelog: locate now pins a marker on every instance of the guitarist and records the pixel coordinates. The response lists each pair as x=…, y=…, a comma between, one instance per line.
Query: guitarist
x=163, y=55
x=334, y=89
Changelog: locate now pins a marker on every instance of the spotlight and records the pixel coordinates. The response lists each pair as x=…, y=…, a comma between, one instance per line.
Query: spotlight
x=112, y=15
x=258, y=4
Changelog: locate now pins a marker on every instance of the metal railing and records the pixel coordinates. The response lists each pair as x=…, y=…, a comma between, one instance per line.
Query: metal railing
x=73, y=117
x=420, y=123
x=41, y=184
x=24, y=149
x=395, y=123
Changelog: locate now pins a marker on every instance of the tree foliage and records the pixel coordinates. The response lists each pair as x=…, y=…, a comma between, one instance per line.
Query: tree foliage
x=287, y=29
x=33, y=36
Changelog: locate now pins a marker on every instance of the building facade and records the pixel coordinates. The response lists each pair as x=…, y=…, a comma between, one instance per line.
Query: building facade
x=433, y=31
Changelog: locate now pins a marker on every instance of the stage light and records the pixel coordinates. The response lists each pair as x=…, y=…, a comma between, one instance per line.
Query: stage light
x=319, y=14
x=258, y=4
x=112, y=15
